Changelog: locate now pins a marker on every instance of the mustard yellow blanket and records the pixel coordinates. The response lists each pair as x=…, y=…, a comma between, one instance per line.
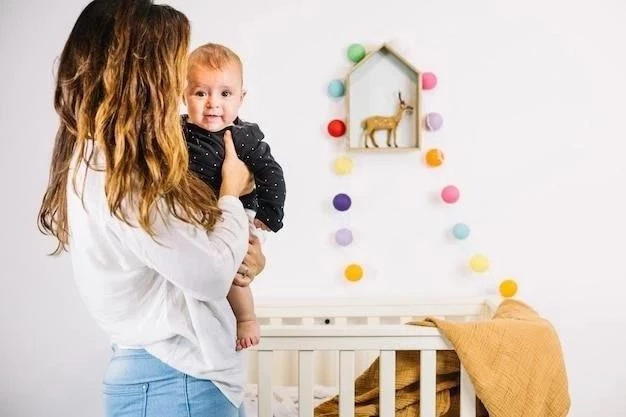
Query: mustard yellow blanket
x=514, y=361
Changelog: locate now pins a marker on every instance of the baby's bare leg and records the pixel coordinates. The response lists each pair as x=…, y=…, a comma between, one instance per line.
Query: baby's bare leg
x=242, y=303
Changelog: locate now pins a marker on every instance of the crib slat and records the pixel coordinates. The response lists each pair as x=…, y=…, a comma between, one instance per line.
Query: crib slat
x=387, y=383
x=428, y=369
x=468, y=396
x=346, y=383
x=305, y=383
x=264, y=384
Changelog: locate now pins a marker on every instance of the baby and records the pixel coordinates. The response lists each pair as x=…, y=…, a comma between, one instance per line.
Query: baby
x=213, y=96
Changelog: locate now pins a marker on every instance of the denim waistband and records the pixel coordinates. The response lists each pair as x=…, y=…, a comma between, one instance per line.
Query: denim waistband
x=135, y=366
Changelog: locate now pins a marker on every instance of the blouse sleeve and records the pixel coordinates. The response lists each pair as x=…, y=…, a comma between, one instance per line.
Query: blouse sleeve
x=202, y=264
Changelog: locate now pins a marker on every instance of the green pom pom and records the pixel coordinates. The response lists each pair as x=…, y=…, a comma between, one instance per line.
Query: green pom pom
x=356, y=52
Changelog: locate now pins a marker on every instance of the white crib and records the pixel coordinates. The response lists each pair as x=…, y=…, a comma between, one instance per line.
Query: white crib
x=311, y=342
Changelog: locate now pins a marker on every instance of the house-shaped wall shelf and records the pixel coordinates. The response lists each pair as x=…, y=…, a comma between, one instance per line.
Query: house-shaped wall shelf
x=383, y=94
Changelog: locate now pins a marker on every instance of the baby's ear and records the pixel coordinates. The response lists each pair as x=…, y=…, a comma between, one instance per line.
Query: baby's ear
x=243, y=94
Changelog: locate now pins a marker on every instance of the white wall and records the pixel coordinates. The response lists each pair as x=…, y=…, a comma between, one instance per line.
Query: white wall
x=532, y=95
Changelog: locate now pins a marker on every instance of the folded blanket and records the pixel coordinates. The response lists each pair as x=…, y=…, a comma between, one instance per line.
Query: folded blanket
x=514, y=360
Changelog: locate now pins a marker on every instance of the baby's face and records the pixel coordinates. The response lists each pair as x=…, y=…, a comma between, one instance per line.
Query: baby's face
x=213, y=97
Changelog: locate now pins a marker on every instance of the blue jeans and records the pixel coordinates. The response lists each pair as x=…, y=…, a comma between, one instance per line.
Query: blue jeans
x=137, y=384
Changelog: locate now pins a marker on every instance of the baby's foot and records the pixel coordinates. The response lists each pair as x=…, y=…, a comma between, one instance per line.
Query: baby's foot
x=248, y=334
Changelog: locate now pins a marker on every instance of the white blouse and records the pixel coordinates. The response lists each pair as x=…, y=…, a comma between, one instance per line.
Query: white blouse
x=167, y=296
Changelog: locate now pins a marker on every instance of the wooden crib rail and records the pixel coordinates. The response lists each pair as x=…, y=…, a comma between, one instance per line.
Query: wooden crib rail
x=373, y=307
x=348, y=339
x=351, y=337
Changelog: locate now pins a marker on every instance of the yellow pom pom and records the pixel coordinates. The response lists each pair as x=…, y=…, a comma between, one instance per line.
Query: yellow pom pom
x=479, y=263
x=508, y=288
x=353, y=272
x=343, y=165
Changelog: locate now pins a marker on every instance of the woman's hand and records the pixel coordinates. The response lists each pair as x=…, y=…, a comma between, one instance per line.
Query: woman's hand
x=252, y=265
x=236, y=177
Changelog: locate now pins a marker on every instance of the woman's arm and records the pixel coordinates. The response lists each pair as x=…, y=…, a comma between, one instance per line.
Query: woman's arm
x=201, y=264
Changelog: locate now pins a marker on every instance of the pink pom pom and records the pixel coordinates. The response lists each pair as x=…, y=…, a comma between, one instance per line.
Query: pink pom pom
x=429, y=81
x=450, y=194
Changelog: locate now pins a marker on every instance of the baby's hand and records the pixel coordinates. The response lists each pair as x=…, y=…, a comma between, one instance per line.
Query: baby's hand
x=260, y=225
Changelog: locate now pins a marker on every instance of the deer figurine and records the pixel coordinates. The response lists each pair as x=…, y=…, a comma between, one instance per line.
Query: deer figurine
x=388, y=123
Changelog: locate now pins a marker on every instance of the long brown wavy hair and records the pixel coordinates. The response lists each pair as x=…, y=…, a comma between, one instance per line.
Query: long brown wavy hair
x=119, y=83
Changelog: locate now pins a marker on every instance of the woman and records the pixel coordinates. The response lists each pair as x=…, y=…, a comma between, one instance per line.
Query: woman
x=154, y=251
